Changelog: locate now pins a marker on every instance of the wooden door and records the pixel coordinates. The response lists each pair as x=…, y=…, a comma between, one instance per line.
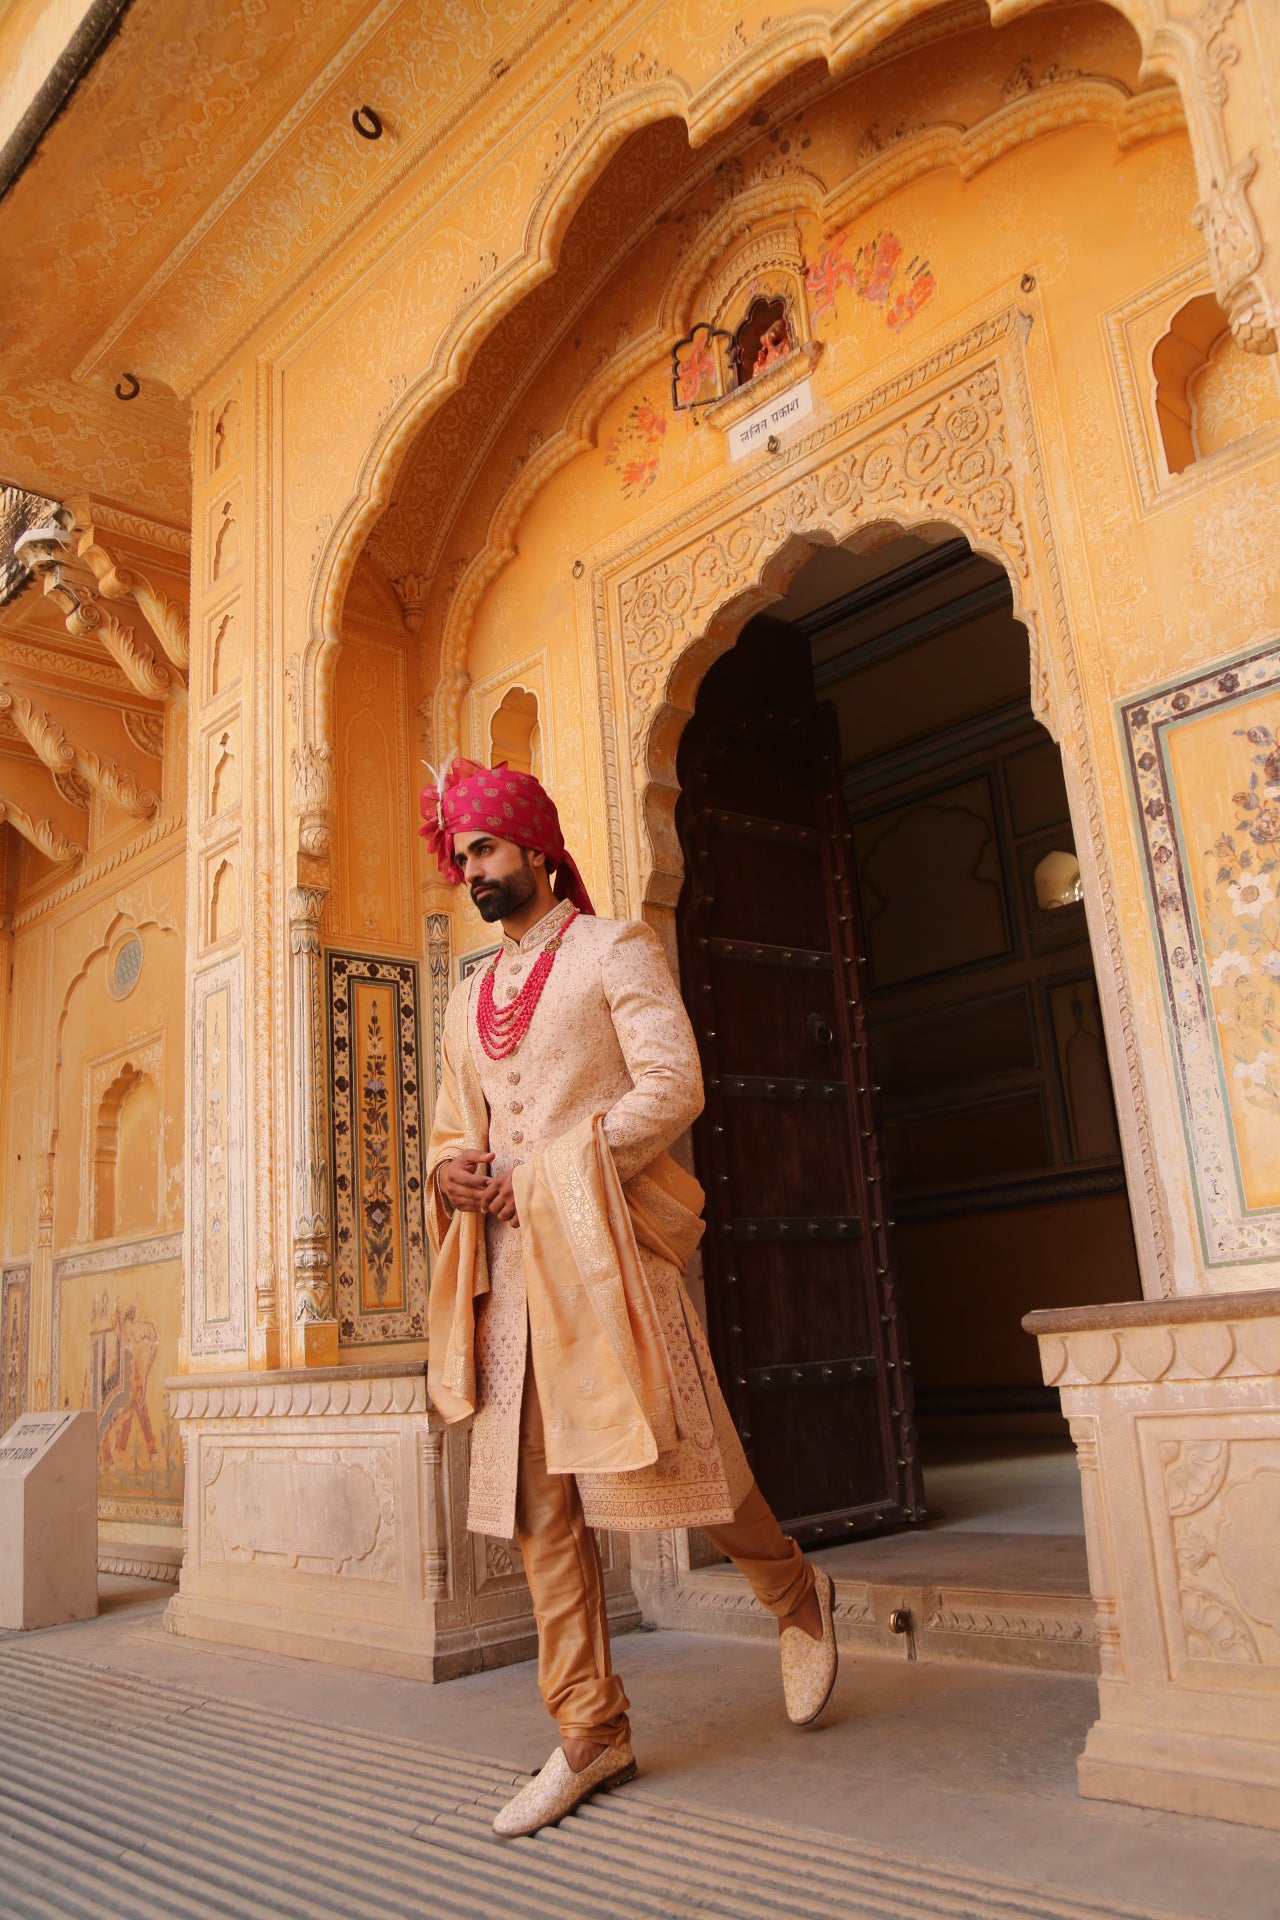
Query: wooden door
x=800, y=1297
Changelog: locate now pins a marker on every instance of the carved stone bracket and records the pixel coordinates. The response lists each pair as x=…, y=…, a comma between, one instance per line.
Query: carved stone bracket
x=48, y=737
x=42, y=834
x=312, y=1247
x=1235, y=246
x=44, y=550
x=165, y=618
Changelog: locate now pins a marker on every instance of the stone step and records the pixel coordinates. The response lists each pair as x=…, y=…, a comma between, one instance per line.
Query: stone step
x=1019, y=1600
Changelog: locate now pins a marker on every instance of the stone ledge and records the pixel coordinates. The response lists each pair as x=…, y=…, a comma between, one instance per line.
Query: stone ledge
x=396, y=1386
x=1138, y=1342
x=1259, y=1305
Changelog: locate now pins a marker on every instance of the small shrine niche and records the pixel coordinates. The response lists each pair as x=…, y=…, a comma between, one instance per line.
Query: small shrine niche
x=755, y=339
x=765, y=337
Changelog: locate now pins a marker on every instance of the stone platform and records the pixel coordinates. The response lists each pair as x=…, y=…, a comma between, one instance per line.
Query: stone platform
x=1174, y=1407
x=325, y=1515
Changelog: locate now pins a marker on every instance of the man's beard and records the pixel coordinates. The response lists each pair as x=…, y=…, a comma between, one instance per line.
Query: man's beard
x=501, y=898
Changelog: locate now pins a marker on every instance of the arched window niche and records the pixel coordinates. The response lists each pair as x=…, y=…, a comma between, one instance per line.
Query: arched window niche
x=1208, y=391
x=124, y=1155
x=515, y=736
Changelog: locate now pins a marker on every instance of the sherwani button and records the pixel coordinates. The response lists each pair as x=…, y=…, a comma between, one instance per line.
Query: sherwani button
x=517, y=1137
x=517, y=1106
x=514, y=1079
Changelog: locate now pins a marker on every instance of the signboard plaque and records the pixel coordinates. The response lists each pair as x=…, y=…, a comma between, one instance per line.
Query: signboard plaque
x=48, y=1520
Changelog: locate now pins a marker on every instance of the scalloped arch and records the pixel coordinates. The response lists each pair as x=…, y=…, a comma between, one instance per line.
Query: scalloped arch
x=1074, y=102
x=843, y=41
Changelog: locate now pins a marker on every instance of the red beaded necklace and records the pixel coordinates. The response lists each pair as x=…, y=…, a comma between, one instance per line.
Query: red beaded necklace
x=503, y=1028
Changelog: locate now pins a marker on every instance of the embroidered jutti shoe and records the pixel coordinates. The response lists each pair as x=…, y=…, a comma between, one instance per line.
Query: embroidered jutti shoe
x=557, y=1790
x=809, y=1665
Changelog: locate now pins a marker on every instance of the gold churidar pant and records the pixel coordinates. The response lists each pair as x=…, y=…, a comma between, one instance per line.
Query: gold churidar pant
x=562, y=1565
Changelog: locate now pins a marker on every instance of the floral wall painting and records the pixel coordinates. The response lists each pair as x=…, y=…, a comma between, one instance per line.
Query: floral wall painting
x=380, y=1251
x=634, y=451
x=1205, y=765
x=878, y=274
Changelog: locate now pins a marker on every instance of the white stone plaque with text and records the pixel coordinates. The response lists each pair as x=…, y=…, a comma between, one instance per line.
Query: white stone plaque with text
x=49, y=1520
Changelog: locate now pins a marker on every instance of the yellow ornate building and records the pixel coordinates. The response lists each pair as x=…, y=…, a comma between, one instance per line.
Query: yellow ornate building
x=381, y=381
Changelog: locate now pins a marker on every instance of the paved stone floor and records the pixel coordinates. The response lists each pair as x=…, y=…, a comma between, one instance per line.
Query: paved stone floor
x=142, y=1775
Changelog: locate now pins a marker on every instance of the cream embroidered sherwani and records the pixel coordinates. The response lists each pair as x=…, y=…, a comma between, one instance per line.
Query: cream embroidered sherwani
x=605, y=1079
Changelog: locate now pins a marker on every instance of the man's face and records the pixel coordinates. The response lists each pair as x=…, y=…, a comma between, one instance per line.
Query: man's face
x=501, y=876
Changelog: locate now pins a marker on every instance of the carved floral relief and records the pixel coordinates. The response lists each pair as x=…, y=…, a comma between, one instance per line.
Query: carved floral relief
x=1222, y=1498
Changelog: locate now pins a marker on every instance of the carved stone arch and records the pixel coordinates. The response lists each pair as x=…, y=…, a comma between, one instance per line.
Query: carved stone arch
x=762, y=221
x=655, y=751
x=120, y=921
x=618, y=93
x=950, y=443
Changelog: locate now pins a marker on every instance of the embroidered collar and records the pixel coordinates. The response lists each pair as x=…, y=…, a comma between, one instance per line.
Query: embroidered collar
x=538, y=935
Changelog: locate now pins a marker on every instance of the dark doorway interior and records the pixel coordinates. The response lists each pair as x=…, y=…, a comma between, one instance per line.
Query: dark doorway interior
x=996, y=1122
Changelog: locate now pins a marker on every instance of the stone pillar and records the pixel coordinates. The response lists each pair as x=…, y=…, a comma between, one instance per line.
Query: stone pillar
x=233, y=1238
x=313, y=1303
x=438, y=925
x=1174, y=1406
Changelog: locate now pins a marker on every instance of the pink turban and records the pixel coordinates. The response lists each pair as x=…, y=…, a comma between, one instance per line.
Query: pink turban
x=508, y=804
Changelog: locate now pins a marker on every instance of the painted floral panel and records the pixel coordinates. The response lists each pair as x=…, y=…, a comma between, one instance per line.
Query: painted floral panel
x=379, y=1241
x=1205, y=766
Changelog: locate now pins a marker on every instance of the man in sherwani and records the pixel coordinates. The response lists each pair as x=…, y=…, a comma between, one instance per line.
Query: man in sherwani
x=558, y=1316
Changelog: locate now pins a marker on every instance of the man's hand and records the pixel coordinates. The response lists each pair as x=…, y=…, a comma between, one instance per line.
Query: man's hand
x=465, y=1181
x=500, y=1199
